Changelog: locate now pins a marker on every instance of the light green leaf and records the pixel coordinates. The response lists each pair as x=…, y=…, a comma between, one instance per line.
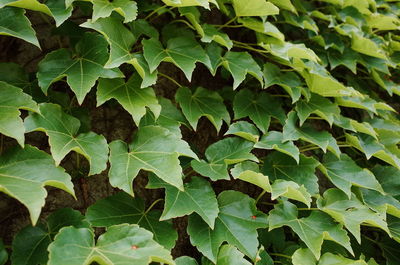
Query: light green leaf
x=303, y=256
x=122, y=208
x=153, y=149
x=254, y=8
x=345, y=173
x=366, y=46
x=141, y=66
x=198, y=197
x=274, y=140
x=365, y=102
x=332, y=259
x=312, y=230
x=284, y=4
x=62, y=131
x=245, y=130
x=25, y=172
x=318, y=105
x=121, y=244
x=132, y=98
x=201, y=103
x=262, y=27
x=289, y=81
x=183, y=3
x=352, y=213
x=11, y=101
x=30, y=244
x=221, y=154
x=287, y=50
x=229, y=255
x=82, y=70
x=291, y=190
x=236, y=224
x=104, y=8
x=185, y=260
x=258, y=107
x=249, y=171
x=118, y=37
x=381, y=203
x=280, y=166
x=239, y=64
x=14, y=23
x=323, y=139
x=184, y=52
x=210, y=33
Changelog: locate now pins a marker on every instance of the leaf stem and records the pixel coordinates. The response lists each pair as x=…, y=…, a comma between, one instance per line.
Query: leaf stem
x=280, y=255
x=1, y=143
x=170, y=79
x=155, y=11
x=152, y=205
x=308, y=209
x=260, y=196
x=227, y=23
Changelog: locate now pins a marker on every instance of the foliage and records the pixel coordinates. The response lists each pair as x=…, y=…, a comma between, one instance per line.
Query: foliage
x=267, y=131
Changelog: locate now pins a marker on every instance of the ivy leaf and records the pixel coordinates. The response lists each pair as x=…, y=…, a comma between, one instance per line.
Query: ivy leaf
x=312, y=230
x=210, y=33
x=118, y=37
x=274, y=140
x=201, y=103
x=184, y=52
x=170, y=117
x=280, y=166
x=121, y=244
x=62, y=132
x=371, y=147
x=249, y=172
x=366, y=46
x=239, y=64
x=30, y=244
x=229, y=255
x=323, y=139
x=261, y=27
x=287, y=50
x=345, y=173
x=237, y=223
x=381, y=203
x=288, y=81
x=245, y=130
x=122, y=208
x=348, y=59
x=183, y=3
x=259, y=108
x=221, y=154
x=14, y=23
x=141, y=66
x=3, y=253
x=318, y=105
x=254, y=8
x=284, y=4
x=303, y=256
x=198, y=197
x=11, y=101
x=389, y=178
x=352, y=213
x=329, y=258
x=365, y=102
x=153, y=149
x=132, y=98
x=104, y=8
x=25, y=172
x=82, y=70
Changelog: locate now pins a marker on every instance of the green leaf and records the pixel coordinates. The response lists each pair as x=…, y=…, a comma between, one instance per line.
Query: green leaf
x=303, y=256
x=262, y=27
x=287, y=50
x=348, y=59
x=290, y=190
x=82, y=70
x=381, y=203
x=245, y=130
x=365, y=102
x=249, y=171
x=330, y=259
x=25, y=172
x=289, y=81
x=184, y=52
x=202, y=103
x=318, y=105
x=170, y=117
x=274, y=140
x=258, y=107
x=185, y=260
x=229, y=255
x=284, y=4
x=236, y=224
x=221, y=154
x=153, y=149
x=132, y=98
x=239, y=64
x=11, y=101
x=210, y=33
x=351, y=213
x=121, y=244
x=254, y=8
x=141, y=66
x=389, y=178
x=323, y=139
x=198, y=197
x=280, y=166
x=344, y=173
x=62, y=130
x=14, y=23
x=366, y=46
x=3, y=253
x=312, y=230
x=122, y=208
x=30, y=244
x=104, y=8
x=183, y=3
x=118, y=37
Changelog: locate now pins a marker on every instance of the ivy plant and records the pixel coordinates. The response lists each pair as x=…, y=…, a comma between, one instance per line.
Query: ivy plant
x=227, y=132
